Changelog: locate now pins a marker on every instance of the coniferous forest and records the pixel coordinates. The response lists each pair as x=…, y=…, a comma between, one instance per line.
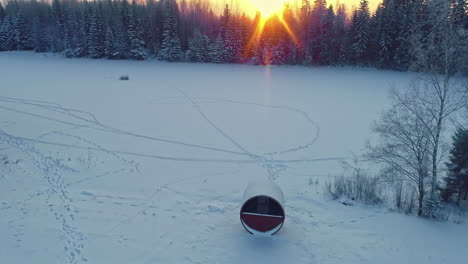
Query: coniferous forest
x=398, y=35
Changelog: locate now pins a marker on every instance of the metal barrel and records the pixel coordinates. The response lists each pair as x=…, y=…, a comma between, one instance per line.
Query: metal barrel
x=262, y=209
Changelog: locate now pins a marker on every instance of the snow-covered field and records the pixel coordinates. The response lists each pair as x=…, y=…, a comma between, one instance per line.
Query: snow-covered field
x=152, y=170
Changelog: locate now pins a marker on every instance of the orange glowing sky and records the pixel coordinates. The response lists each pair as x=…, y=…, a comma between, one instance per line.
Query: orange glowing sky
x=268, y=7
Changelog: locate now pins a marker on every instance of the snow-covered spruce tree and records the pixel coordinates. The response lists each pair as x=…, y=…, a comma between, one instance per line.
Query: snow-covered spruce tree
x=404, y=28
x=278, y=53
x=231, y=37
x=110, y=50
x=119, y=31
x=57, y=33
x=69, y=31
x=5, y=34
x=135, y=32
x=340, y=34
x=96, y=32
x=120, y=43
x=291, y=48
x=226, y=35
x=79, y=36
x=246, y=31
x=459, y=20
x=171, y=48
x=327, y=50
x=86, y=21
x=39, y=36
x=74, y=36
x=456, y=182
x=152, y=29
x=237, y=41
x=384, y=33
x=217, y=50
x=361, y=31
x=261, y=54
x=121, y=28
x=305, y=29
x=22, y=33
x=317, y=31
x=199, y=47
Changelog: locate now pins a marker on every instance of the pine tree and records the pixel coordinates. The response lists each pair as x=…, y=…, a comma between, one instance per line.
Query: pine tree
x=110, y=50
x=305, y=29
x=246, y=32
x=74, y=36
x=361, y=30
x=58, y=31
x=96, y=32
x=457, y=180
x=217, y=51
x=22, y=33
x=459, y=13
x=79, y=36
x=260, y=52
x=171, y=48
x=278, y=54
x=237, y=41
x=199, y=47
x=69, y=31
x=385, y=33
x=135, y=32
x=39, y=36
x=340, y=34
x=185, y=27
x=229, y=37
x=119, y=27
x=405, y=27
x=292, y=45
x=5, y=29
x=121, y=32
x=328, y=51
x=317, y=31
x=459, y=21
x=153, y=27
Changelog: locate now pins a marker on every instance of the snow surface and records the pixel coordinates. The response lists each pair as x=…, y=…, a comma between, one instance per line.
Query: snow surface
x=152, y=170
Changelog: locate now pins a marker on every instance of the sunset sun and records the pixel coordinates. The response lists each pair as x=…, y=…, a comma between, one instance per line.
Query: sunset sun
x=266, y=7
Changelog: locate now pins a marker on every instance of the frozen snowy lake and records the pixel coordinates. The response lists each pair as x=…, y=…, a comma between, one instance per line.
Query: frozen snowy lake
x=152, y=170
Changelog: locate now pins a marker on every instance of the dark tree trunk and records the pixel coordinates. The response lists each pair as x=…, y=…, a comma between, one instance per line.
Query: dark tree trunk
x=420, y=200
x=459, y=196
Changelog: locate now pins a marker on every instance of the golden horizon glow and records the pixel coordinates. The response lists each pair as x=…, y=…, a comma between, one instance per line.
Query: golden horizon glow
x=266, y=7
x=259, y=30
x=270, y=7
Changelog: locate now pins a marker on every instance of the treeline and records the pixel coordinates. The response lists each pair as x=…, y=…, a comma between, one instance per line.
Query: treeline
x=310, y=34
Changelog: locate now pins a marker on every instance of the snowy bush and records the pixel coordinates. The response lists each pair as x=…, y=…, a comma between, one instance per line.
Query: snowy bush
x=451, y=213
x=433, y=208
x=357, y=186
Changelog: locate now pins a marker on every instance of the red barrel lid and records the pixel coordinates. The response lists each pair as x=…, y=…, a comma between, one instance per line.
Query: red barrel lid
x=262, y=214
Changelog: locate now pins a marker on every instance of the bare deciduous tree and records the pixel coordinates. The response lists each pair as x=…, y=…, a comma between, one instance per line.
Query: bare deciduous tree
x=433, y=101
x=437, y=97
x=403, y=145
